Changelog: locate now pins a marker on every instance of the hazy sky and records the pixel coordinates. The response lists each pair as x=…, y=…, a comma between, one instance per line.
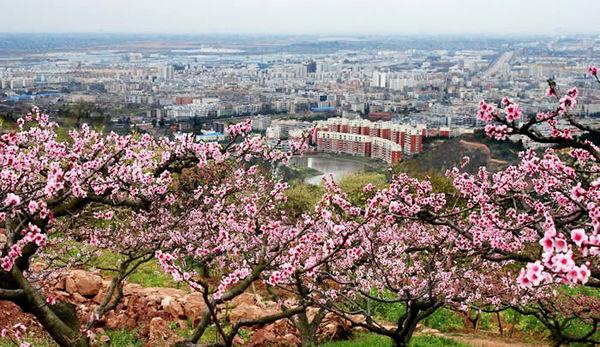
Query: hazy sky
x=302, y=16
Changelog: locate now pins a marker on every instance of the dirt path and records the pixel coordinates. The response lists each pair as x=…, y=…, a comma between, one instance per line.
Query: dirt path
x=491, y=341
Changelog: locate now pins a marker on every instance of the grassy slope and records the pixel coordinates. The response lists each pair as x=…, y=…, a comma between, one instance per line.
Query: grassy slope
x=373, y=340
x=439, y=155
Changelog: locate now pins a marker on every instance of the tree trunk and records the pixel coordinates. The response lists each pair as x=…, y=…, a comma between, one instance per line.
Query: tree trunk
x=499, y=324
x=61, y=332
x=307, y=330
x=400, y=341
x=202, y=325
x=408, y=326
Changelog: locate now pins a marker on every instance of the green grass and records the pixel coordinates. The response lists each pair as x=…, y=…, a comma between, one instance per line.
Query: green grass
x=444, y=320
x=147, y=275
x=373, y=340
x=428, y=340
x=34, y=342
x=362, y=340
x=123, y=338
x=151, y=275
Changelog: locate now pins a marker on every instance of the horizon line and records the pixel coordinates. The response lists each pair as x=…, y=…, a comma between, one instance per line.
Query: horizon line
x=319, y=34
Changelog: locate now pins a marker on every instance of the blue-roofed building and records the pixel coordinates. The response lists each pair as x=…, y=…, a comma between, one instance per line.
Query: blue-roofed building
x=323, y=109
x=210, y=136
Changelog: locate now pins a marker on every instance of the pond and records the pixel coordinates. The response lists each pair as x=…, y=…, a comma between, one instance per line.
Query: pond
x=339, y=166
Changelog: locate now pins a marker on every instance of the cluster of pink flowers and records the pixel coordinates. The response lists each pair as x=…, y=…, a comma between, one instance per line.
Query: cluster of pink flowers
x=558, y=191
x=106, y=215
x=486, y=111
x=241, y=128
x=497, y=131
x=569, y=101
x=512, y=109
x=551, y=190
x=9, y=260
x=31, y=235
x=281, y=275
x=231, y=280
x=489, y=113
x=533, y=275
x=12, y=200
x=165, y=260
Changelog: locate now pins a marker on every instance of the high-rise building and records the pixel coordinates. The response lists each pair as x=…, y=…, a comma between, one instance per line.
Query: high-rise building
x=322, y=67
x=379, y=79
x=301, y=70
x=166, y=72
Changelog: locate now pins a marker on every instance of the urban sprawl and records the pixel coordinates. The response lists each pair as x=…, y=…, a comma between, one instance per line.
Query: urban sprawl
x=364, y=97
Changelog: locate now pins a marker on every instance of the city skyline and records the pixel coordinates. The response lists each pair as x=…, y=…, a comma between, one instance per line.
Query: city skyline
x=427, y=17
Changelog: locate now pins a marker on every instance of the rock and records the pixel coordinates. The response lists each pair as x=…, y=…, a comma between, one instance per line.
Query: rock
x=100, y=296
x=250, y=306
x=104, y=339
x=62, y=295
x=78, y=298
x=262, y=337
x=115, y=321
x=334, y=327
x=238, y=341
x=246, y=298
x=194, y=307
x=358, y=318
x=60, y=284
x=311, y=312
x=159, y=333
x=131, y=323
x=249, y=311
x=83, y=283
x=131, y=288
x=172, y=306
x=106, y=284
x=271, y=336
x=153, y=295
x=290, y=339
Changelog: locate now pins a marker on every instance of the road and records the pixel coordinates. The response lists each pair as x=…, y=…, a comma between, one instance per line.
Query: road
x=498, y=64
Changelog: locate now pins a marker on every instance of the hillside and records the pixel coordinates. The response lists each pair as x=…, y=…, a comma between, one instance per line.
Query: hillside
x=442, y=154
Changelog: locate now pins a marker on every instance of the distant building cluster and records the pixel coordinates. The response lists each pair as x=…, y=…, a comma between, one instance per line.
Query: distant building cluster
x=388, y=83
x=386, y=141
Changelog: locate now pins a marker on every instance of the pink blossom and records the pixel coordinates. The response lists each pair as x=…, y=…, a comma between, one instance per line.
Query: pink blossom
x=578, y=193
x=547, y=243
x=506, y=101
x=524, y=280
x=579, y=236
x=33, y=206
x=486, y=111
x=567, y=102
x=12, y=200
x=513, y=112
x=583, y=274
x=560, y=245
